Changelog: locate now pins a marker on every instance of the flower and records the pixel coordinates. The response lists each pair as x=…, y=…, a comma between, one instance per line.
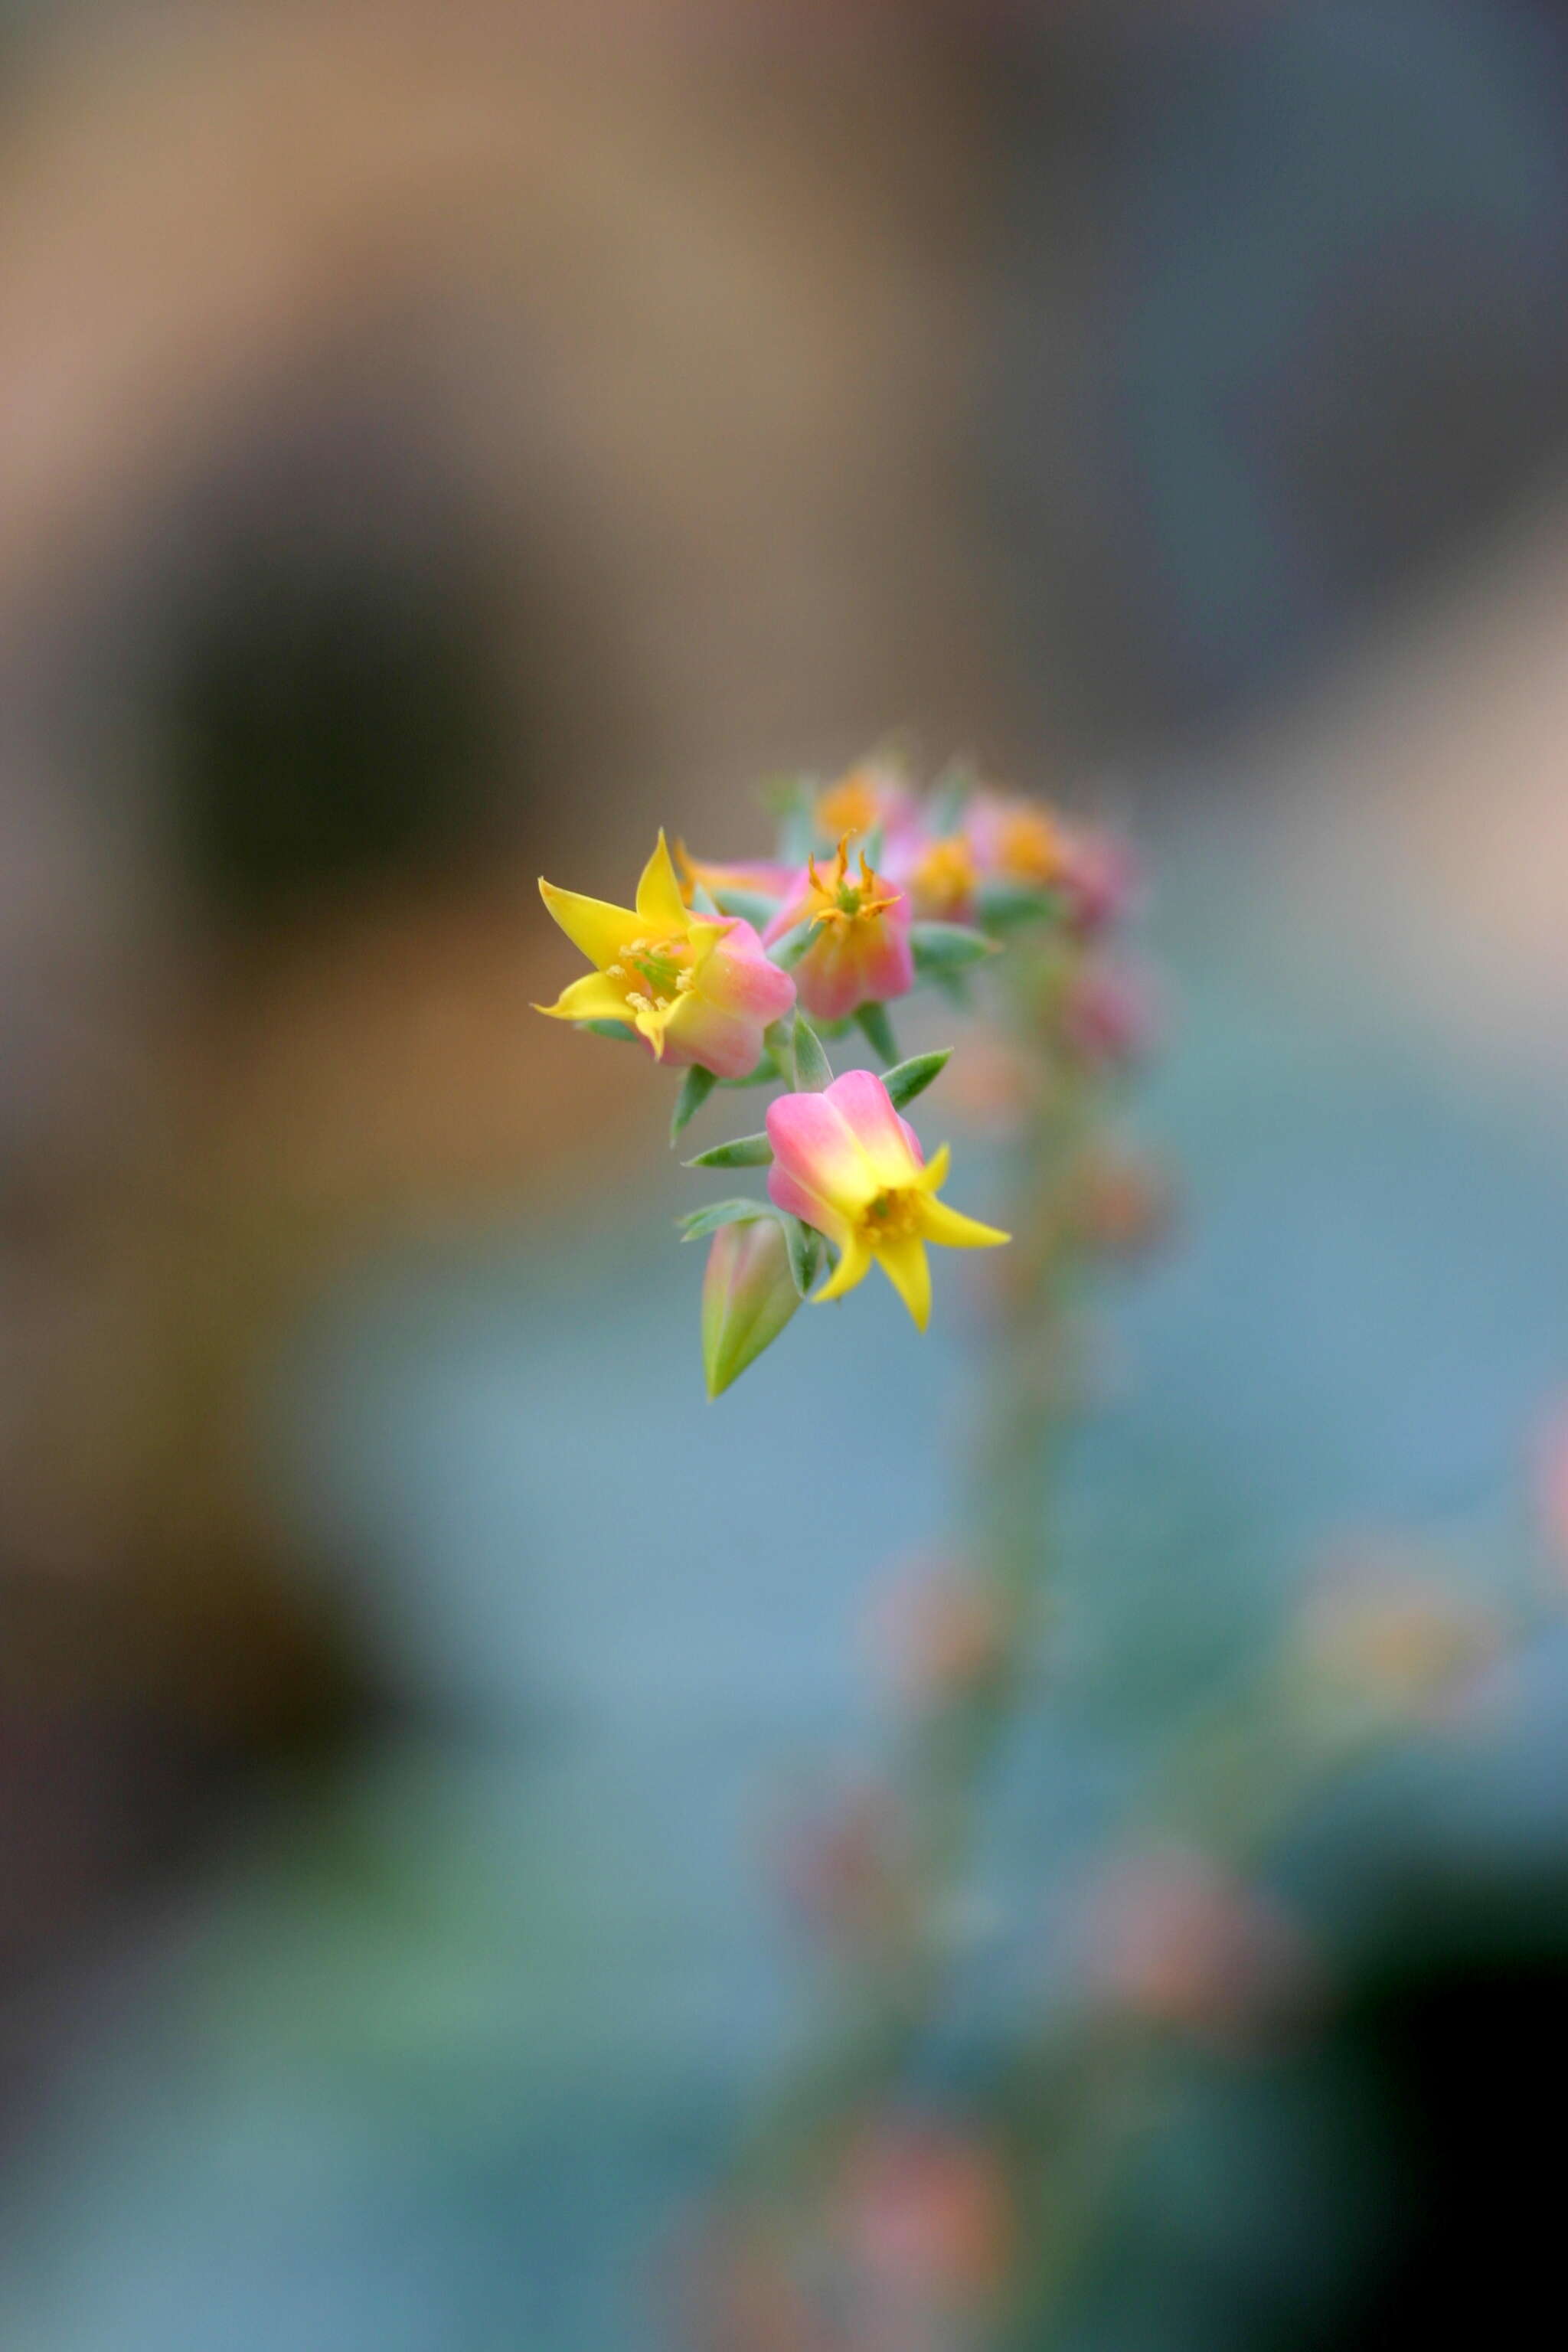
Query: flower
x=940, y=872
x=1176, y=1938
x=859, y=952
x=1015, y=840
x=940, y=1631
x=842, y=1867
x=1107, y=1016
x=695, y=989
x=1386, y=1640
x=845, y=1162
x=927, y=2214
x=748, y=1295
x=1099, y=877
x=873, y=793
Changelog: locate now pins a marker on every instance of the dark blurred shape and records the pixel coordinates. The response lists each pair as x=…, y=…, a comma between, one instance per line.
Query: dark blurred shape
x=1462, y=2051
x=328, y=726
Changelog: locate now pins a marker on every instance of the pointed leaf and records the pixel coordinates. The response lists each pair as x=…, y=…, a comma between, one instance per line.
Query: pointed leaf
x=1005, y=906
x=805, y=1245
x=790, y=799
x=941, y=948
x=702, y=901
x=701, y=1222
x=813, y=1070
x=908, y=1079
x=754, y=907
x=744, y=1151
x=877, y=1030
x=695, y=1088
x=787, y=951
x=950, y=796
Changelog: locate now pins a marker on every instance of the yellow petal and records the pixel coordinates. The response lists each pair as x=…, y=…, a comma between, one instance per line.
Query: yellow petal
x=905, y=1265
x=650, y=1021
x=599, y=929
x=853, y=1264
x=591, y=998
x=941, y=1224
x=659, y=902
x=705, y=935
x=934, y=1175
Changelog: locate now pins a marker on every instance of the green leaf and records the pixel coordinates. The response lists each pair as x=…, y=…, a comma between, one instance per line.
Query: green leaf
x=790, y=799
x=695, y=1088
x=805, y=1245
x=950, y=796
x=877, y=1030
x=752, y=906
x=908, y=1079
x=942, y=948
x=1005, y=906
x=622, y=1029
x=702, y=901
x=704, y=1222
x=813, y=1070
x=745, y=1152
x=787, y=951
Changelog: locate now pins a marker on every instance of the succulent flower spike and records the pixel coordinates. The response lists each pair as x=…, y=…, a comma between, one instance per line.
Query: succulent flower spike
x=859, y=952
x=845, y=1162
x=696, y=990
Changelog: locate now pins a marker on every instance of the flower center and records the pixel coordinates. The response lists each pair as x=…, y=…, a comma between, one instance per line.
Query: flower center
x=653, y=973
x=839, y=900
x=891, y=1216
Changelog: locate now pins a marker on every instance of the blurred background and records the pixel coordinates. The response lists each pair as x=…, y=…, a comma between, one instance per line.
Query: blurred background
x=440, y=442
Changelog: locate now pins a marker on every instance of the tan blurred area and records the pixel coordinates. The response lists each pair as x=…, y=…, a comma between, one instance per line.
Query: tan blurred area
x=1418, y=804
x=639, y=324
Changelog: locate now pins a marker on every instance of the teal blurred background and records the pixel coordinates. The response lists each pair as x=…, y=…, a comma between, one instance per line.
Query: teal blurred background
x=445, y=443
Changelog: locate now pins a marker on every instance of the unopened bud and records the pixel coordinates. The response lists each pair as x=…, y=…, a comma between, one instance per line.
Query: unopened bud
x=748, y=1295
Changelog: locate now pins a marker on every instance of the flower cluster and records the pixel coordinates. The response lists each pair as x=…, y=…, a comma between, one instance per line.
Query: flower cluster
x=736, y=972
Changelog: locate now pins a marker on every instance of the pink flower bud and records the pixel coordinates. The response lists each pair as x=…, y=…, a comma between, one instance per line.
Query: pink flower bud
x=926, y=2215
x=1176, y=1938
x=1100, y=878
x=748, y=1295
x=1107, y=1016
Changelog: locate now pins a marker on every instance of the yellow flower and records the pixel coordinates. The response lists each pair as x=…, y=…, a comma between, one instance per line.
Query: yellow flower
x=695, y=988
